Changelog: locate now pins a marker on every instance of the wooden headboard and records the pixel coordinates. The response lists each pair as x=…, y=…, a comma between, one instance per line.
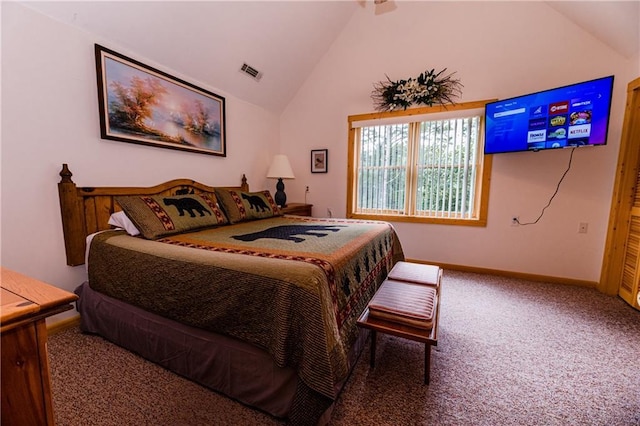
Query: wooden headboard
x=87, y=210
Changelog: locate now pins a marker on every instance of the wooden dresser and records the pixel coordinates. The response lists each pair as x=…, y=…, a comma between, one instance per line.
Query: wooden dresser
x=26, y=389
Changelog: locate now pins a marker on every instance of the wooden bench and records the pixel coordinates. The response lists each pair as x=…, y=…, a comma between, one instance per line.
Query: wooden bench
x=406, y=305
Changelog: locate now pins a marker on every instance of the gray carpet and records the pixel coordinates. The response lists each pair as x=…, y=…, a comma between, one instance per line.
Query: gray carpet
x=510, y=352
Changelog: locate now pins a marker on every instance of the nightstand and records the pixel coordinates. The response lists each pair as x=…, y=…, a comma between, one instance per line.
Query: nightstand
x=299, y=209
x=26, y=388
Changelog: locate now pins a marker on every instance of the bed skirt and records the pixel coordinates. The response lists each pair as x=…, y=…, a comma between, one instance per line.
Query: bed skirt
x=237, y=369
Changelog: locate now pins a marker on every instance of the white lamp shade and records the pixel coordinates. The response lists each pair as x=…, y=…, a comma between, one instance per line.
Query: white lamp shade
x=280, y=168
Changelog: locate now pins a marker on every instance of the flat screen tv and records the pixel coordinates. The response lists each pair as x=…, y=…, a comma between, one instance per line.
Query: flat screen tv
x=568, y=116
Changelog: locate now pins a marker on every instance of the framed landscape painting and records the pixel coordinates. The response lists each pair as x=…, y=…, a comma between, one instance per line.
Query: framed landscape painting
x=140, y=104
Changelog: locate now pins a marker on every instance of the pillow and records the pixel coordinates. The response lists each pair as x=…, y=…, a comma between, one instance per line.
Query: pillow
x=158, y=215
x=120, y=220
x=241, y=206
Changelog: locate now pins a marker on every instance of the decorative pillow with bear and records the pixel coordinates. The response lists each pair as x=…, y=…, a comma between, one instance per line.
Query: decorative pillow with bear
x=157, y=215
x=241, y=206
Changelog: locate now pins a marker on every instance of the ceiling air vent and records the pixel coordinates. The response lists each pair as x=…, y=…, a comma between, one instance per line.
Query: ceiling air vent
x=251, y=72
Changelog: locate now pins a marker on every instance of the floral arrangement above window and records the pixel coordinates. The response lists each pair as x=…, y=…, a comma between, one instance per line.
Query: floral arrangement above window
x=428, y=88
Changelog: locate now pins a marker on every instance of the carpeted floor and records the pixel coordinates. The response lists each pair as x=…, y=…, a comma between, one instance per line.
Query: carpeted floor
x=510, y=352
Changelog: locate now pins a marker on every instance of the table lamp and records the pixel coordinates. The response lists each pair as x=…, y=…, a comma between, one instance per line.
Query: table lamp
x=280, y=169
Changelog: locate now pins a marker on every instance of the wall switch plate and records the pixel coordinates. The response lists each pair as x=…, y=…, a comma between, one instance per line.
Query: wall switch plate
x=583, y=228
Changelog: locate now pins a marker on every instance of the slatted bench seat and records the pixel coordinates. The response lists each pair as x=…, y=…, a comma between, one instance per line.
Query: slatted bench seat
x=406, y=305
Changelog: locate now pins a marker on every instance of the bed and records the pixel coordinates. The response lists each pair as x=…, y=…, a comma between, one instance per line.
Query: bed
x=259, y=306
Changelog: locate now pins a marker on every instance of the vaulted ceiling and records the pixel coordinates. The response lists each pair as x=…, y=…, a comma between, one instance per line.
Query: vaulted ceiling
x=615, y=23
x=208, y=41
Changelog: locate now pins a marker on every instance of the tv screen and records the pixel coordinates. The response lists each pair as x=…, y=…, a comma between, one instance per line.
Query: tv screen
x=568, y=116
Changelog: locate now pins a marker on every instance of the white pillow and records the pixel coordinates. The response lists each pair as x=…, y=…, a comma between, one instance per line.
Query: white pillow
x=120, y=220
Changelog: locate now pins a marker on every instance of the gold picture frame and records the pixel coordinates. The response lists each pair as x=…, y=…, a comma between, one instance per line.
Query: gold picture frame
x=140, y=104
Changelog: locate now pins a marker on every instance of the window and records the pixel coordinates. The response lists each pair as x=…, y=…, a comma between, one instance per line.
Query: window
x=419, y=165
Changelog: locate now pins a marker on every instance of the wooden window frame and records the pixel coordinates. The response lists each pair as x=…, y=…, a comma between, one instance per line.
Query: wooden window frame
x=483, y=176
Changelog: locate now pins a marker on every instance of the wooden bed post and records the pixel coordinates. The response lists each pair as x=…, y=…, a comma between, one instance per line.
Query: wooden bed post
x=72, y=218
x=245, y=185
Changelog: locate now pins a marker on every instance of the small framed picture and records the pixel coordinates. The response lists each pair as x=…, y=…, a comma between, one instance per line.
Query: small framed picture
x=319, y=160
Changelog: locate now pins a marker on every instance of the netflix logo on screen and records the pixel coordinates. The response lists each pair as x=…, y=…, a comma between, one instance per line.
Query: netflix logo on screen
x=559, y=107
x=582, y=131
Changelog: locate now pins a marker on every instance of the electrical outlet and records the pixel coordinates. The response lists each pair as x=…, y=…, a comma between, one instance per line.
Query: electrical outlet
x=583, y=227
x=515, y=221
x=306, y=190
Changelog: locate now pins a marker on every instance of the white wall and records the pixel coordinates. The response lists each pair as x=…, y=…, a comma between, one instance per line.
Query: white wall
x=50, y=117
x=499, y=50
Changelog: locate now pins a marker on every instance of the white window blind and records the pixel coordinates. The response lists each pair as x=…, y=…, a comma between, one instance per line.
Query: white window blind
x=382, y=173
x=421, y=166
x=446, y=168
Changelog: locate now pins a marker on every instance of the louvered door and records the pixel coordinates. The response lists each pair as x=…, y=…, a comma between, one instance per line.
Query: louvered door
x=621, y=267
x=631, y=269
x=629, y=283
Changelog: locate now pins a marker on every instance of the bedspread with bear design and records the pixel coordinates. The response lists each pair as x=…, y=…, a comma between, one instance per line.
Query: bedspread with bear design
x=293, y=286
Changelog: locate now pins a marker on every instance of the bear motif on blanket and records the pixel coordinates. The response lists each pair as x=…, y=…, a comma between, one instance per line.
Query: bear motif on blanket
x=289, y=232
